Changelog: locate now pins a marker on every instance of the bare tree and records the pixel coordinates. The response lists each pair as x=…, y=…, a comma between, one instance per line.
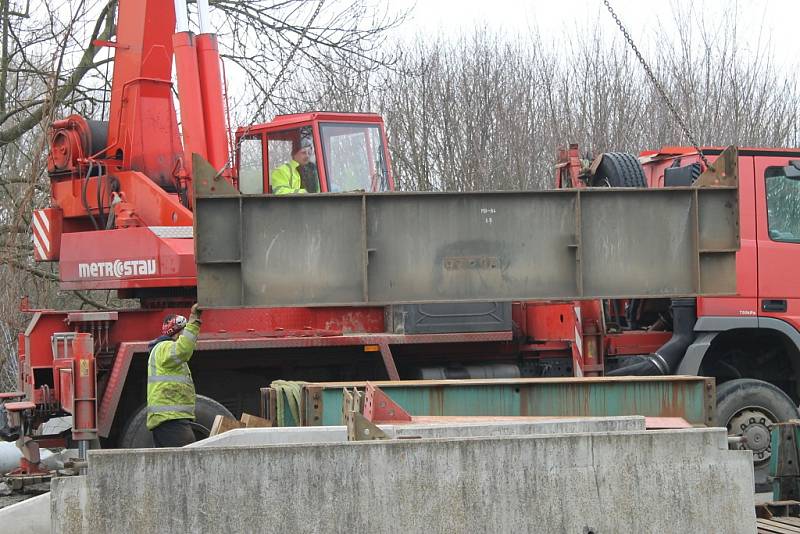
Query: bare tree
x=279, y=49
x=47, y=53
x=488, y=112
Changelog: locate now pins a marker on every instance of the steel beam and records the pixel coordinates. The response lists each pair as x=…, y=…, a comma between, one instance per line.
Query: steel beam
x=382, y=248
x=687, y=397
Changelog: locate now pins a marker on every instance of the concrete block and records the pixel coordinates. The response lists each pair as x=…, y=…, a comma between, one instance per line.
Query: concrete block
x=635, y=481
x=333, y=434
x=70, y=502
x=31, y=516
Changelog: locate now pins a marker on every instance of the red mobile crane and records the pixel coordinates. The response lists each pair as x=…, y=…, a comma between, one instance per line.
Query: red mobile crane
x=121, y=218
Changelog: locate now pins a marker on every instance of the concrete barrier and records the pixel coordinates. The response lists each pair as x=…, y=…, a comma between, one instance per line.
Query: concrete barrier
x=274, y=436
x=333, y=434
x=31, y=516
x=655, y=481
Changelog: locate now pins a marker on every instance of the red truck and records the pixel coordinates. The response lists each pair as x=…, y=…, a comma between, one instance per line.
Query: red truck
x=748, y=342
x=121, y=218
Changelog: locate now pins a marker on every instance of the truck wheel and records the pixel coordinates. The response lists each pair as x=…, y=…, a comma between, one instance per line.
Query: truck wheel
x=136, y=436
x=748, y=407
x=618, y=169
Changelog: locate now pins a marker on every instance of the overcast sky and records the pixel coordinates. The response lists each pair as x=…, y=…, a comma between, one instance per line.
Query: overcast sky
x=774, y=21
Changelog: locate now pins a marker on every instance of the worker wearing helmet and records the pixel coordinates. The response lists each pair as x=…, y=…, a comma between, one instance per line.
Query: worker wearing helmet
x=170, y=390
x=298, y=175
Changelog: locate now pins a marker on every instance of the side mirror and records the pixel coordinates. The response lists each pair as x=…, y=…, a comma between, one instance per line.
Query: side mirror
x=792, y=171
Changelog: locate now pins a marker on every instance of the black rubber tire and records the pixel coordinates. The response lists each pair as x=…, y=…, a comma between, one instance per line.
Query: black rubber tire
x=136, y=436
x=619, y=169
x=736, y=395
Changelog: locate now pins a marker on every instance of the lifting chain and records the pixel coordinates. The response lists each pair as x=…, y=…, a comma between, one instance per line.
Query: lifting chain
x=259, y=116
x=658, y=86
x=294, y=50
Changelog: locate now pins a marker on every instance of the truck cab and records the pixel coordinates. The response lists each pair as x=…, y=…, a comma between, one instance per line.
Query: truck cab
x=769, y=225
x=347, y=152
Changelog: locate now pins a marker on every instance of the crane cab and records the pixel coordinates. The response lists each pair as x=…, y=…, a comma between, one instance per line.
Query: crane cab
x=345, y=152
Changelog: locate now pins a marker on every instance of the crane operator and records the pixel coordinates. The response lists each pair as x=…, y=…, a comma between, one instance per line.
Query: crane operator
x=298, y=175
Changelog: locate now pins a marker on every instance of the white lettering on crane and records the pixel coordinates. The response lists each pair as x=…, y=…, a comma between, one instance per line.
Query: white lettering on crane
x=117, y=268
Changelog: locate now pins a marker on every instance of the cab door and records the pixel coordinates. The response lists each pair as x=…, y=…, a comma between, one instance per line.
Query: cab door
x=778, y=231
x=250, y=164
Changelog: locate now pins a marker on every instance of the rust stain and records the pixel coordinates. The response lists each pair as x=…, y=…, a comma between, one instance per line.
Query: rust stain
x=523, y=401
x=586, y=395
x=436, y=401
x=674, y=404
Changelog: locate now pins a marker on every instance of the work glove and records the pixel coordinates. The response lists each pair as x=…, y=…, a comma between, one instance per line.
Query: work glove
x=194, y=315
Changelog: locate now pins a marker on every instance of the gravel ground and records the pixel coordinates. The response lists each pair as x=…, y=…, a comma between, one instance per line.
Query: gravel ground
x=7, y=498
x=13, y=499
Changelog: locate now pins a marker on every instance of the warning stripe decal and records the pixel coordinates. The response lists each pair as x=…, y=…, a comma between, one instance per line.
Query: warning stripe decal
x=41, y=235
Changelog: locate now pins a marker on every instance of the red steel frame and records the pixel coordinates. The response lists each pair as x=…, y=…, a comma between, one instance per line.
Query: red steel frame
x=125, y=334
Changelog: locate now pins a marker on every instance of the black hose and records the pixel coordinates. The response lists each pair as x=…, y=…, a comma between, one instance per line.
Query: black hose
x=100, y=215
x=106, y=196
x=666, y=359
x=643, y=367
x=85, y=202
x=112, y=188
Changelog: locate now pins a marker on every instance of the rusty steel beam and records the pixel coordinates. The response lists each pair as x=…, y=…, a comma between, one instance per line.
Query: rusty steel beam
x=661, y=399
x=389, y=248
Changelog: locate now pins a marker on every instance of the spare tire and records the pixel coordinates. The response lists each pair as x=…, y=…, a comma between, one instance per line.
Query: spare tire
x=136, y=436
x=618, y=169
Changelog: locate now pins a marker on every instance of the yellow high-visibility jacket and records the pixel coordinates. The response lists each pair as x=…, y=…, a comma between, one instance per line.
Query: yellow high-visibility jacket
x=286, y=179
x=170, y=389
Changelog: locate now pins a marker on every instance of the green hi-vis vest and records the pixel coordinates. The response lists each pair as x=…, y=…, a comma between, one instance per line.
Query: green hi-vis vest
x=286, y=179
x=170, y=389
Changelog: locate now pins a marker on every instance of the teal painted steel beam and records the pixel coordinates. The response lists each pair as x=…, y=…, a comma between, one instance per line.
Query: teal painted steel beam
x=689, y=397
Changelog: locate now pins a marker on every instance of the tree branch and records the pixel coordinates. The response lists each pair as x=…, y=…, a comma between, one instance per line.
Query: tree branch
x=103, y=31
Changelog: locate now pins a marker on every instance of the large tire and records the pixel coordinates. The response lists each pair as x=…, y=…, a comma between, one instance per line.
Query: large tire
x=750, y=407
x=136, y=436
x=618, y=169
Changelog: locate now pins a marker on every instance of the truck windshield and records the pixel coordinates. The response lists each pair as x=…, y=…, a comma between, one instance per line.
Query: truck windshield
x=354, y=157
x=783, y=199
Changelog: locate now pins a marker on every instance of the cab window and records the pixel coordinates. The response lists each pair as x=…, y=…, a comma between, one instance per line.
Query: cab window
x=251, y=166
x=354, y=157
x=783, y=205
